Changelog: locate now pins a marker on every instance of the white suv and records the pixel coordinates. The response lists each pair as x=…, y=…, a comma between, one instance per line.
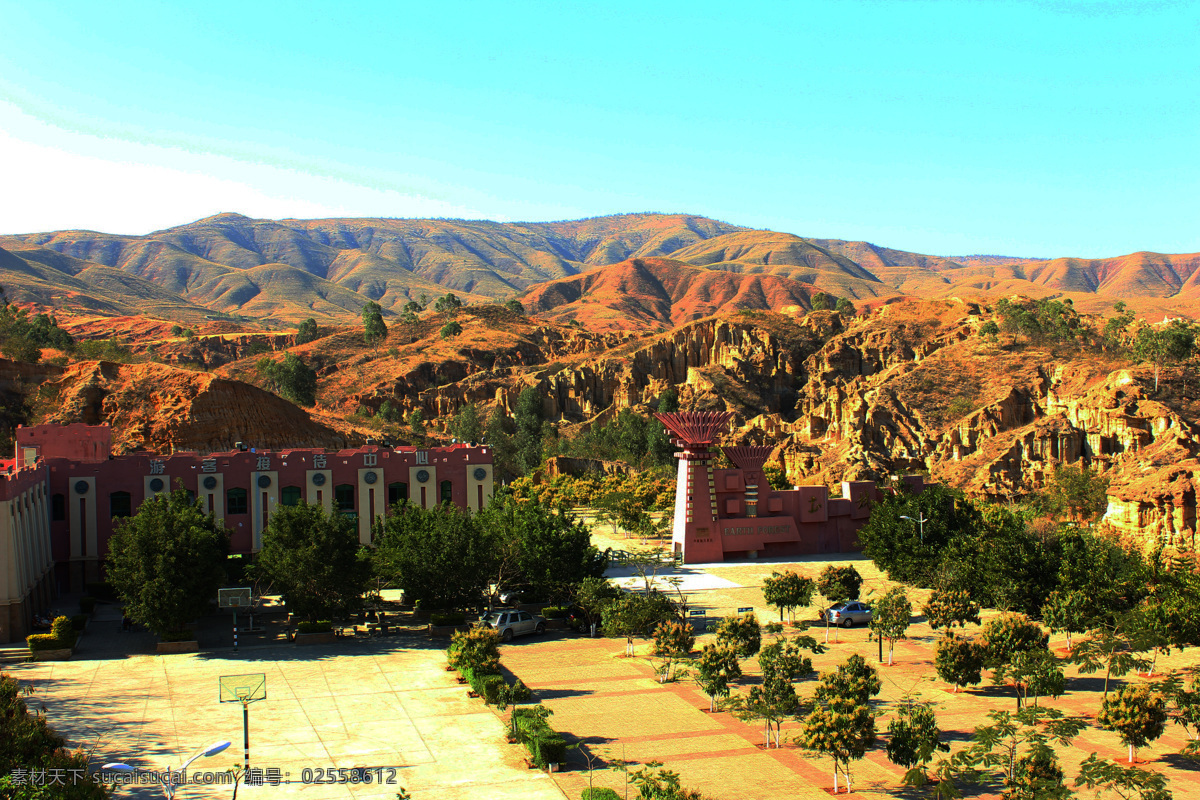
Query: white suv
x=514, y=623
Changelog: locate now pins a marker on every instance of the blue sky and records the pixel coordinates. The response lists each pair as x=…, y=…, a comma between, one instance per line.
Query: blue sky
x=1020, y=128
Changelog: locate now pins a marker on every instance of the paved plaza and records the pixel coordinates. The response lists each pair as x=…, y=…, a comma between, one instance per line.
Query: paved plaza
x=390, y=703
x=354, y=704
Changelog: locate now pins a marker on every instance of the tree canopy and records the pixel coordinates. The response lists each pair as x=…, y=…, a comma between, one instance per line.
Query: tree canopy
x=314, y=560
x=167, y=561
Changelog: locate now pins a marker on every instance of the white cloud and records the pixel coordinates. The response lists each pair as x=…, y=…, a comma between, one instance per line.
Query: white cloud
x=54, y=179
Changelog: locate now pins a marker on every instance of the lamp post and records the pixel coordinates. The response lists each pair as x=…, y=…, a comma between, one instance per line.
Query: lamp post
x=169, y=782
x=920, y=522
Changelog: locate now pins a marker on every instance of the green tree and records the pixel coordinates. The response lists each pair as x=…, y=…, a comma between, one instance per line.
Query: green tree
x=476, y=649
x=989, y=330
x=527, y=442
x=176, y=330
x=716, y=667
x=958, y=661
x=28, y=744
x=1162, y=345
x=1008, y=634
x=514, y=305
x=374, y=328
x=914, y=738
x=291, y=378
x=447, y=303
x=1033, y=672
x=844, y=307
x=890, y=617
x=1019, y=749
x=855, y=679
x=635, y=616
x=840, y=727
x=554, y=551
x=1114, y=645
x=466, y=425
x=788, y=591
x=775, y=699
x=1127, y=783
x=1066, y=611
x=740, y=634
x=1079, y=491
x=950, y=607
x=499, y=437
x=416, y=426
x=307, y=332
x=314, y=560
x=450, y=329
x=1137, y=714
x=910, y=552
x=776, y=478
x=440, y=557
x=837, y=584
x=167, y=561
x=593, y=595
x=673, y=640
x=1186, y=705
x=821, y=302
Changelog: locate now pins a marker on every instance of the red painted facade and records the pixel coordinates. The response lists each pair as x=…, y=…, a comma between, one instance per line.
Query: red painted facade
x=734, y=513
x=240, y=487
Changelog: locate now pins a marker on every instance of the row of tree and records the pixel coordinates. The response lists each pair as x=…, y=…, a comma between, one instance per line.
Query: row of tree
x=167, y=561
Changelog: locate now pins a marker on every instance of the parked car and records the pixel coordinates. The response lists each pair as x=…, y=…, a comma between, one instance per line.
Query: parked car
x=847, y=614
x=512, y=623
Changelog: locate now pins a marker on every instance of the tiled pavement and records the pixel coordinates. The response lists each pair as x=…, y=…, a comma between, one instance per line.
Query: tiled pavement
x=617, y=708
x=359, y=703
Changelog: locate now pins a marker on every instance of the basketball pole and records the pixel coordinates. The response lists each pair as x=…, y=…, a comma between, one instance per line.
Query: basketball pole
x=246, y=730
x=235, y=629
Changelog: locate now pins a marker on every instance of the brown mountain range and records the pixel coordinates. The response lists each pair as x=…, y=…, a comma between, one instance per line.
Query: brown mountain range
x=288, y=270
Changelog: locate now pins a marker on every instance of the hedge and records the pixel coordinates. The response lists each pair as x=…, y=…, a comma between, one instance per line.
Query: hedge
x=486, y=684
x=555, y=612
x=320, y=626
x=599, y=793
x=62, y=636
x=447, y=618
x=546, y=746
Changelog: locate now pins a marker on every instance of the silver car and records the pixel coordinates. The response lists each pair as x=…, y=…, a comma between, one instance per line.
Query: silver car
x=847, y=614
x=514, y=623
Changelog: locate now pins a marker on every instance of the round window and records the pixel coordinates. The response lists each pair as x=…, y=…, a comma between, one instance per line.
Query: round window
x=156, y=485
x=81, y=487
x=422, y=475
x=318, y=479
x=264, y=481
x=210, y=482
x=370, y=477
x=480, y=473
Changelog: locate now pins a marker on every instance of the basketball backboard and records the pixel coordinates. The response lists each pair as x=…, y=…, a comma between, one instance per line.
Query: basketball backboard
x=234, y=598
x=243, y=688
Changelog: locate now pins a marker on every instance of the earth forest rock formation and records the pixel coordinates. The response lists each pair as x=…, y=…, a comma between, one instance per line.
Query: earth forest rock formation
x=612, y=312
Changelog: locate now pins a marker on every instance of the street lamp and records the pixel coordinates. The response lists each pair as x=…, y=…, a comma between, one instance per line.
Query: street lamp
x=169, y=783
x=920, y=522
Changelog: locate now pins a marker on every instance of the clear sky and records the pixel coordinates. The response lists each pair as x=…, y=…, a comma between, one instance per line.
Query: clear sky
x=1019, y=128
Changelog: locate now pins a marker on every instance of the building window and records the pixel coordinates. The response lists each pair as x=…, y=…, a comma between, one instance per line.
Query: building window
x=290, y=496
x=343, y=498
x=58, y=508
x=396, y=493
x=447, y=492
x=120, y=504
x=235, y=501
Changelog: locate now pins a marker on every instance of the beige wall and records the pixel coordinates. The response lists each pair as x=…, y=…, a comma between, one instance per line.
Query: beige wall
x=25, y=563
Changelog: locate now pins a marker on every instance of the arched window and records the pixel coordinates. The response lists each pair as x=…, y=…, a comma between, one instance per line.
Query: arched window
x=289, y=496
x=447, y=492
x=343, y=498
x=235, y=501
x=397, y=492
x=120, y=504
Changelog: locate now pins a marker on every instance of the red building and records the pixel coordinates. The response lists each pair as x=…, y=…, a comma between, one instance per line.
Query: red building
x=88, y=488
x=734, y=513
